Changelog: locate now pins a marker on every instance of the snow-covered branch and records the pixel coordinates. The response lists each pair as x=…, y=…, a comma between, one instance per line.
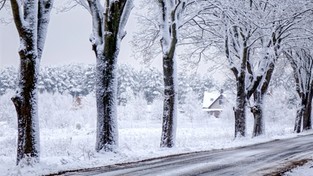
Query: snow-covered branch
x=84, y=4
x=2, y=3
x=18, y=15
x=96, y=11
x=124, y=18
x=45, y=7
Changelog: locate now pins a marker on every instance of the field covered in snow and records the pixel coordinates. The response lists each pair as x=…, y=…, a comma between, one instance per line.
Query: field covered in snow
x=305, y=170
x=67, y=131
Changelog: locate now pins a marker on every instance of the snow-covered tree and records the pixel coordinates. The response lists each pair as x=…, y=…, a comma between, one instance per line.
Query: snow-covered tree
x=48, y=80
x=282, y=23
x=301, y=60
x=31, y=18
x=151, y=84
x=125, y=84
x=252, y=34
x=171, y=12
x=8, y=78
x=90, y=78
x=108, y=23
x=239, y=39
x=225, y=26
x=164, y=23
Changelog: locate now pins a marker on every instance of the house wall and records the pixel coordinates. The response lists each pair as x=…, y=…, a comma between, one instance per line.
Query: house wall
x=216, y=104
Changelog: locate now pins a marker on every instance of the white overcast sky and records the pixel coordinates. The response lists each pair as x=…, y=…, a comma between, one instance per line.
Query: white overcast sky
x=67, y=40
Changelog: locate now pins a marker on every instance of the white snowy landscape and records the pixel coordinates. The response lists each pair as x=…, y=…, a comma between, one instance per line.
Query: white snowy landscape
x=144, y=88
x=68, y=132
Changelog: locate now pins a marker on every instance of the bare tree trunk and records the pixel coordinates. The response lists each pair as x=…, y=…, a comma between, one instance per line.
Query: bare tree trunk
x=300, y=112
x=241, y=99
x=31, y=19
x=106, y=91
x=108, y=32
x=169, y=103
x=257, y=111
x=302, y=65
x=171, y=10
x=307, y=125
x=240, y=109
x=298, y=121
x=304, y=113
x=25, y=103
x=107, y=131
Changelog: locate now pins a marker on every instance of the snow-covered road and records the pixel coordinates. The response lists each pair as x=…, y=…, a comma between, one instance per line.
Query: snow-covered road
x=259, y=159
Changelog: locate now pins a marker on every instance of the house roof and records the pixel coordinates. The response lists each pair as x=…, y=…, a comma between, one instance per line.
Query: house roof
x=211, y=110
x=209, y=98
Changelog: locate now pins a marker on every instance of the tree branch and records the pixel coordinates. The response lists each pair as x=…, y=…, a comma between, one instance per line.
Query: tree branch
x=97, y=23
x=126, y=9
x=44, y=10
x=18, y=16
x=2, y=3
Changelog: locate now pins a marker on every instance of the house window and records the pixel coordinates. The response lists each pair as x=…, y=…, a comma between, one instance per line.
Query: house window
x=220, y=101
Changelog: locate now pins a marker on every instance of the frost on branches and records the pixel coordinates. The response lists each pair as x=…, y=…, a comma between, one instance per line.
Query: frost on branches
x=108, y=22
x=31, y=19
x=255, y=33
x=171, y=11
x=301, y=61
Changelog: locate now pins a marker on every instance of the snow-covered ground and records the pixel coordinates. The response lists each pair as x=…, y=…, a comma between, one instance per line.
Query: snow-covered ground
x=304, y=170
x=68, y=132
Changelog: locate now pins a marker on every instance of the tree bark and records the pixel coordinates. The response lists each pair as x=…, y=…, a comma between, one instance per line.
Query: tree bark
x=302, y=65
x=241, y=99
x=298, y=120
x=240, y=109
x=171, y=10
x=169, y=103
x=257, y=111
x=106, y=86
x=108, y=31
x=106, y=89
x=25, y=103
x=306, y=115
x=31, y=19
x=107, y=131
x=306, y=125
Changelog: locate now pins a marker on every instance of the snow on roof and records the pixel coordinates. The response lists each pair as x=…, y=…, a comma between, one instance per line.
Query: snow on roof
x=211, y=110
x=209, y=98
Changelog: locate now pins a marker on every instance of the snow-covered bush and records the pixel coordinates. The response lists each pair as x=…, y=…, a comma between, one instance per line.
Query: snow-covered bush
x=192, y=108
x=60, y=111
x=279, y=112
x=7, y=109
x=138, y=112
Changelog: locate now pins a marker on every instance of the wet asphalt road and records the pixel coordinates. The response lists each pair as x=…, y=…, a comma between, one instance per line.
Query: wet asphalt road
x=259, y=159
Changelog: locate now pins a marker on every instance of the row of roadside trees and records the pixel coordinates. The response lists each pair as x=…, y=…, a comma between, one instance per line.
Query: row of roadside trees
x=249, y=35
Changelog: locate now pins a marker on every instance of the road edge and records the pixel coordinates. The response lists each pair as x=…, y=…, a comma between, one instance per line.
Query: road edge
x=285, y=167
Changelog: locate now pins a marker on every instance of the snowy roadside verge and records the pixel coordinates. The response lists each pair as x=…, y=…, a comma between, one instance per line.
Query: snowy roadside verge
x=68, y=133
x=303, y=169
x=276, y=169
x=52, y=165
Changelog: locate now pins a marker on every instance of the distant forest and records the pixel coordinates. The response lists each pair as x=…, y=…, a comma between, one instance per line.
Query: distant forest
x=79, y=80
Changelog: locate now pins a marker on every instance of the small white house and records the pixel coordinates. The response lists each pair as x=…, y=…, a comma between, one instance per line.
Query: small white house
x=213, y=102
